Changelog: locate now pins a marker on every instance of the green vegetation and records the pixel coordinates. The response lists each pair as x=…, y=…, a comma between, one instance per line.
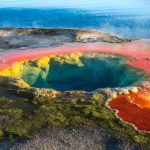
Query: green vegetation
x=21, y=118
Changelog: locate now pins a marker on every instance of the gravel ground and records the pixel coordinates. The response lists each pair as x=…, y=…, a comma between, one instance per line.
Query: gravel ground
x=79, y=138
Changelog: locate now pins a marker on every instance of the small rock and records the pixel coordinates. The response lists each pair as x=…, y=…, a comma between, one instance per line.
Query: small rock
x=125, y=91
x=120, y=93
x=114, y=95
x=134, y=90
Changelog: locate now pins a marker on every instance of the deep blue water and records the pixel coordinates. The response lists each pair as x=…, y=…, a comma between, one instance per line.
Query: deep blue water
x=122, y=24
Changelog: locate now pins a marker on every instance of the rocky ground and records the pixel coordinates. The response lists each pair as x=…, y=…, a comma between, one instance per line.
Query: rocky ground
x=32, y=38
x=78, y=138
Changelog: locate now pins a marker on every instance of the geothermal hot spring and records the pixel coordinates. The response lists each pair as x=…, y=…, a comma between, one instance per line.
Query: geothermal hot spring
x=76, y=72
x=88, y=68
x=84, y=67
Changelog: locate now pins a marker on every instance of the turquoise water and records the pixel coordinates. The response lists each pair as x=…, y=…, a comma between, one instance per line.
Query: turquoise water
x=130, y=18
x=88, y=73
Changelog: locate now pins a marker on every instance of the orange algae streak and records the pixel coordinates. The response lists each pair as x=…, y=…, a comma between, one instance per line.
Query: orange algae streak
x=142, y=99
x=134, y=109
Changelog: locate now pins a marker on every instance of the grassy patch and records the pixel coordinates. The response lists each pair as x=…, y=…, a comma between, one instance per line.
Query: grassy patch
x=20, y=118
